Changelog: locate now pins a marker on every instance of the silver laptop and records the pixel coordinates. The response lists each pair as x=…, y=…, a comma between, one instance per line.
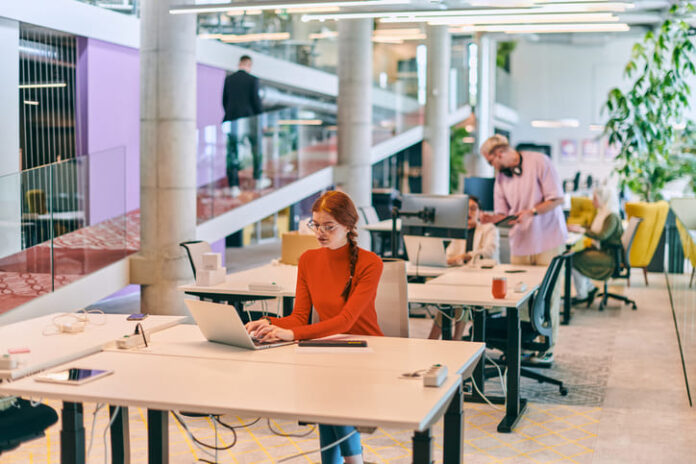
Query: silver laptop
x=220, y=323
x=425, y=251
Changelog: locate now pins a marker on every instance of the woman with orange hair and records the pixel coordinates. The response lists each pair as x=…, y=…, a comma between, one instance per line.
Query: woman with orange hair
x=340, y=281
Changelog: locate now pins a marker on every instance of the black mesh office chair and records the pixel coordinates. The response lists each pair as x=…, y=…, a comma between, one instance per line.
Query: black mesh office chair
x=195, y=250
x=537, y=328
x=20, y=421
x=622, y=267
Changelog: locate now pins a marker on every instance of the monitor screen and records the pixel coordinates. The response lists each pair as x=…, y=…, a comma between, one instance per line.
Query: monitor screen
x=450, y=218
x=481, y=188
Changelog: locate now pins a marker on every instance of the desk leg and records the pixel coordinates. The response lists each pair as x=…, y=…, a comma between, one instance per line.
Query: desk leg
x=422, y=447
x=288, y=304
x=72, y=434
x=446, y=322
x=479, y=371
x=120, y=436
x=157, y=436
x=515, y=406
x=453, y=437
x=566, y=290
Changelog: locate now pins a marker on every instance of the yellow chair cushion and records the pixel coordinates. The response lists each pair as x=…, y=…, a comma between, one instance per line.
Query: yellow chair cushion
x=582, y=211
x=649, y=231
x=687, y=242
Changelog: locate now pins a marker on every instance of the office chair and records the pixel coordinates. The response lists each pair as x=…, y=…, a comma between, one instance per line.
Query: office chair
x=539, y=326
x=572, y=185
x=195, y=250
x=622, y=268
x=20, y=422
x=391, y=301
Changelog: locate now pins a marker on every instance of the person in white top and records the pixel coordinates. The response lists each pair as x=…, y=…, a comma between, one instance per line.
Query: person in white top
x=482, y=241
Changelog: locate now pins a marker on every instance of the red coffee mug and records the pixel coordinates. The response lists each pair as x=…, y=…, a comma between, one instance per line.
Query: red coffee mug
x=499, y=287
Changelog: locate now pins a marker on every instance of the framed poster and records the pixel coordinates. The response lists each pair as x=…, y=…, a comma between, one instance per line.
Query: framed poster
x=610, y=151
x=569, y=150
x=590, y=149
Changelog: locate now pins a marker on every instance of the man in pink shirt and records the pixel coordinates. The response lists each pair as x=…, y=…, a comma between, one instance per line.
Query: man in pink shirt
x=527, y=186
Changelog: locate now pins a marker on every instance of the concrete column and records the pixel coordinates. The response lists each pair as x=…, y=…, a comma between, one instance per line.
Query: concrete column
x=167, y=154
x=436, y=145
x=485, y=103
x=354, y=170
x=10, y=191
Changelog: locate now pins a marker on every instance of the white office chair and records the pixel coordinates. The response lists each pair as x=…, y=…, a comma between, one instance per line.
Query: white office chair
x=195, y=250
x=391, y=303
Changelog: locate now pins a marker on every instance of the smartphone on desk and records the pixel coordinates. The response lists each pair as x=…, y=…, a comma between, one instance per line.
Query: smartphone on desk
x=136, y=317
x=73, y=376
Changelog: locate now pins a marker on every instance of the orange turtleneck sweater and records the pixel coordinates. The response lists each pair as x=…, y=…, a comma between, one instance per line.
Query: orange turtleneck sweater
x=322, y=275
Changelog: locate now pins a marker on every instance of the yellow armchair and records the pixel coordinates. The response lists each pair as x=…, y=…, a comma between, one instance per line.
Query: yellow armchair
x=582, y=211
x=685, y=212
x=649, y=231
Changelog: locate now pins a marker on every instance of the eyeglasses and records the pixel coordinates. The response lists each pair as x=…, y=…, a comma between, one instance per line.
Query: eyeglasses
x=328, y=227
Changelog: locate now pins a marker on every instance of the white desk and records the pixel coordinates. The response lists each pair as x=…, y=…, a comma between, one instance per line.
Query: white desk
x=405, y=355
x=465, y=296
x=476, y=277
x=50, y=350
x=314, y=390
x=383, y=226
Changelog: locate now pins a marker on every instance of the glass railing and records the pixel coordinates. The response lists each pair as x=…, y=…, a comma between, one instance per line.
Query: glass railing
x=62, y=221
x=680, y=268
x=241, y=160
x=503, y=87
x=395, y=110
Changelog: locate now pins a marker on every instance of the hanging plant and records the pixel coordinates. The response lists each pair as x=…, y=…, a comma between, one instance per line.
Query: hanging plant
x=642, y=120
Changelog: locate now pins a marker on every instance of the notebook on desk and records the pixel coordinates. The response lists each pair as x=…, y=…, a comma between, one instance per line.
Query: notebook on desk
x=221, y=324
x=425, y=251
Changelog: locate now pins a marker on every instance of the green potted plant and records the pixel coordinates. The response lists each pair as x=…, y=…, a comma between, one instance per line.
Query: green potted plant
x=643, y=121
x=460, y=146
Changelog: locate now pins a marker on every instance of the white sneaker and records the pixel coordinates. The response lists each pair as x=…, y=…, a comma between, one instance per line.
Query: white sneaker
x=263, y=183
x=235, y=191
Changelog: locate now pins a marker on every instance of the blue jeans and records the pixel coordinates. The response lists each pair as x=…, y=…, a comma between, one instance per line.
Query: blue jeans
x=329, y=434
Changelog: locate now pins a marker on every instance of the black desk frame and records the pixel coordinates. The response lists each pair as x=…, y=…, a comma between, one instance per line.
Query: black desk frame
x=72, y=436
x=515, y=404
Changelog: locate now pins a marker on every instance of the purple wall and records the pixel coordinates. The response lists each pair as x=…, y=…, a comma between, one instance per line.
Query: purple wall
x=109, y=115
x=211, y=144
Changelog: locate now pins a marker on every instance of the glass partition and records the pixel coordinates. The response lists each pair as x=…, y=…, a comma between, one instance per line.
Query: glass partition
x=61, y=221
x=680, y=273
x=244, y=159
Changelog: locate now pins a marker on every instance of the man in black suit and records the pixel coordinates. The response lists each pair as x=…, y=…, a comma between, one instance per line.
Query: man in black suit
x=240, y=99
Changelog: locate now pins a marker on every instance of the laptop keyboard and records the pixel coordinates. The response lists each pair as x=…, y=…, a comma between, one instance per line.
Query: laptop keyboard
x=258, y=342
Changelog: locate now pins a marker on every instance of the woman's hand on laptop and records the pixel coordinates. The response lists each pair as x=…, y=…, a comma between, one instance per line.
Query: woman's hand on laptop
x=253, y=326
x=273, y=333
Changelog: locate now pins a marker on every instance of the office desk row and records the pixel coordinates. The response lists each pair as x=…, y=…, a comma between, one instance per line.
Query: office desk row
x=180, y=370
x=459, y=286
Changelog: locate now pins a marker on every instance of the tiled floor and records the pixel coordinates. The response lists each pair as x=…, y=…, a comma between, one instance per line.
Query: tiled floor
x=627, y=404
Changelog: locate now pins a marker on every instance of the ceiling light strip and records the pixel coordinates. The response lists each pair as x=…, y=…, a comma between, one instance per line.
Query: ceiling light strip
x=276, y=4
x=608, y=7
x=543, y=28
x=510, y=19
x=48, y=85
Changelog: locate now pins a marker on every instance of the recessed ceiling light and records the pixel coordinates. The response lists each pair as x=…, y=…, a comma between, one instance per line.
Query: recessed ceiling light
x=555, y=123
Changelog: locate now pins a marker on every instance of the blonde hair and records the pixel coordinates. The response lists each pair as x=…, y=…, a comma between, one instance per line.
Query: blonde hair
x=607, y=197
x=492, y=142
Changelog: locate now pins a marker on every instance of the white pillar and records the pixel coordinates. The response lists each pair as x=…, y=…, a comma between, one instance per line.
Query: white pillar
x=10, y=191
x=485, y=95
x=354, y=170
x=436, y=136
x=167, y=154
